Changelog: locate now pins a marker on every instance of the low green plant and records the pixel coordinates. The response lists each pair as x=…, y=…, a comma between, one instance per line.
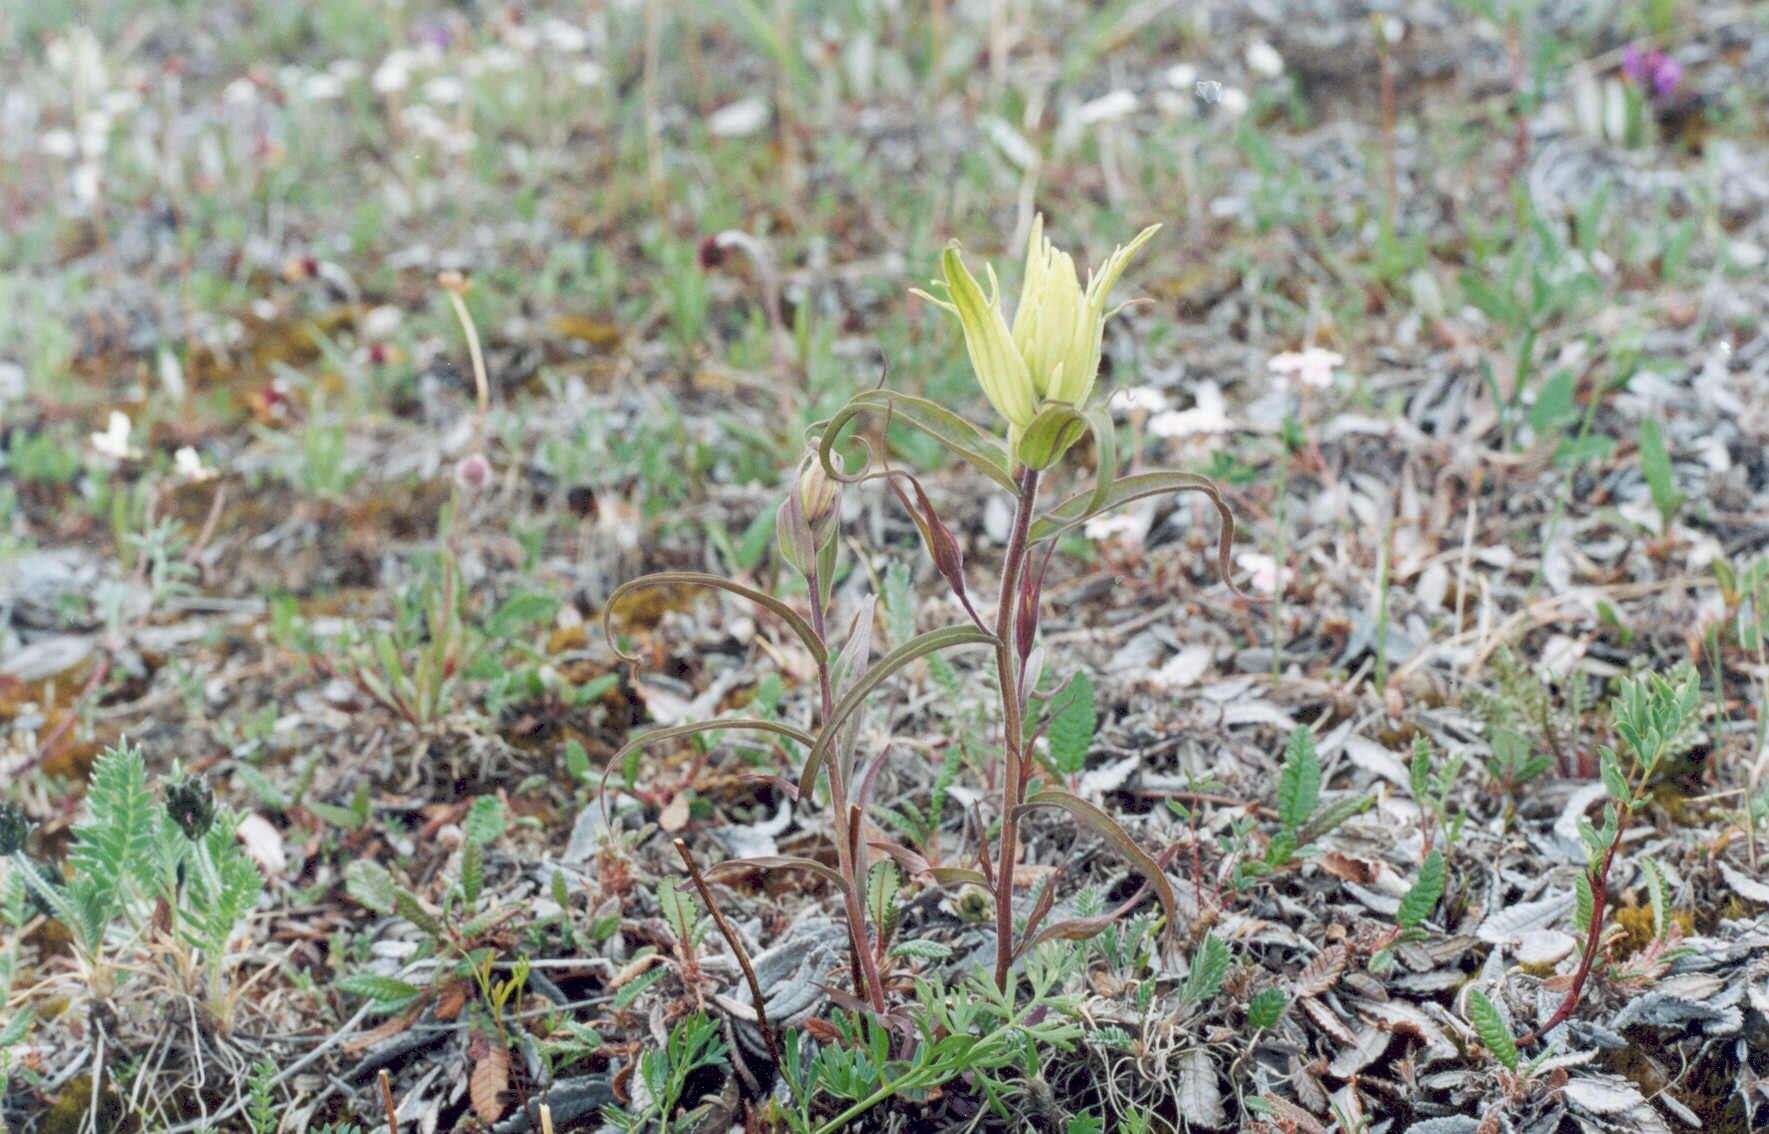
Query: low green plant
x=414, y=667
x=1654, y=716
x=1302, y=817
x=693, y=1043
x=461, y=933
x=1038, y=376
x=131, y=852
x=975, y=1032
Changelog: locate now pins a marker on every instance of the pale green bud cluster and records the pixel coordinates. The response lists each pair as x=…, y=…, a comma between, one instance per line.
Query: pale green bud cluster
x=1039, y=373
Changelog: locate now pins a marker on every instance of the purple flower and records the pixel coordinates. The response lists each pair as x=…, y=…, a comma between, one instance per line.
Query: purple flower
x=1666, y=74
x=1634, y=65
x=1651, y=70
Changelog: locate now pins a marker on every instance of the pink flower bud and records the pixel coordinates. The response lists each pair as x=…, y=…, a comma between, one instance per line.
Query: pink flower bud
x=473, y=472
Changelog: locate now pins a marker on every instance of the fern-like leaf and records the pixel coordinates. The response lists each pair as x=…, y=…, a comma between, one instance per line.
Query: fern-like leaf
x=114, y=845
x=1422, y=898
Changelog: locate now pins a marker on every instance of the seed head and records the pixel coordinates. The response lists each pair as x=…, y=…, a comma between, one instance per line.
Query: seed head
x=14, y=829
x=192, y=806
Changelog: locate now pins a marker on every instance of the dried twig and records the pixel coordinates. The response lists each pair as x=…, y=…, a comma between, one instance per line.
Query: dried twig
x=731, y=939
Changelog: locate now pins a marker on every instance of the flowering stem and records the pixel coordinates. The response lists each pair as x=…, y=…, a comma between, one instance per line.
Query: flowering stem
x=851, y=870
x=1013, y=785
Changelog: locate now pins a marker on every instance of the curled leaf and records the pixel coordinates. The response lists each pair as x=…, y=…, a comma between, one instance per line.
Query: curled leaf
x=1083, y=506
x=733, y=866
x=701, y=579
x=749, y=724
x=1107, y=828
x=979, y=449
x=918, y=647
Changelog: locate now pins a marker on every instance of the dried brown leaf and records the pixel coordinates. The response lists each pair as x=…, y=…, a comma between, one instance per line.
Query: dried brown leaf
x=491, y=1075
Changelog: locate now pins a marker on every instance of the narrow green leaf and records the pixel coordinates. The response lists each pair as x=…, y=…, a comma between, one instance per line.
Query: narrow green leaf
x=1492, y=1029
x=1107, y=828
x=1655, y=466
x=1422, y=897
x=406, y=905
x=485, y=822
x=520, y=611
x=918, y=647
x=701, y=579
x=1585, y=905
x=1072, y=723
x=385, y=991
x=1209, y=967
x=1613, y=780
x=1419, y=769
x=961, y=437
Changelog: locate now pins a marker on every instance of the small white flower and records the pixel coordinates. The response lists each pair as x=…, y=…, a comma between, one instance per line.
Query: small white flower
x=394, y=73
x=58, y=143
x=497, y=57
x=346, y=70
x=190, y=465
x=1141, y=399
x=587, y=73
x=1263, y=59
x=1262, y=571
x=738, y=119
x=1108, y=107
x=562, y=36
x=240, y=92
x=12, y=382
x=86, y=182
x=1208, y=416
x=113, y=443
x=323, y=87
x=1181, y=76
x=1312, y=367
x=382, y=322
x=121, y=101
x=1233, y=101
x=445, y=89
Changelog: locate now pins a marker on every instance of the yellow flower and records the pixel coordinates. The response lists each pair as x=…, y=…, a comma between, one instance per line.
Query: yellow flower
x=1051, y=355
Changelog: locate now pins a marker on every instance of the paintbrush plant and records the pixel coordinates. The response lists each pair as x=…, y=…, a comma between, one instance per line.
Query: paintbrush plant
x=1038, y=375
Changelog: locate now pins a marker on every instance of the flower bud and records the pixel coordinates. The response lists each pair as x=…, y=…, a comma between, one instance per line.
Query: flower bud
x=473, y=472
x=820, y=495
x=14, y=829
x=191, y=805
x=808, y=516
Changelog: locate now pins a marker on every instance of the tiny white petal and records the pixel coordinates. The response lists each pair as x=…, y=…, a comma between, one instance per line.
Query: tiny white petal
x=1263, y=59
x=738, y=119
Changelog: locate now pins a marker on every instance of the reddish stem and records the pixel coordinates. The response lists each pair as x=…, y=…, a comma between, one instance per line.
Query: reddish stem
x=1013, y=784
x=1599, y=882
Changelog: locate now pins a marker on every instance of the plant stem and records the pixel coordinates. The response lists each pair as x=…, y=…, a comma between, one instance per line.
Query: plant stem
x=1599, y=880
x=736, y=943
x=864, y=964
x=1013, y=783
